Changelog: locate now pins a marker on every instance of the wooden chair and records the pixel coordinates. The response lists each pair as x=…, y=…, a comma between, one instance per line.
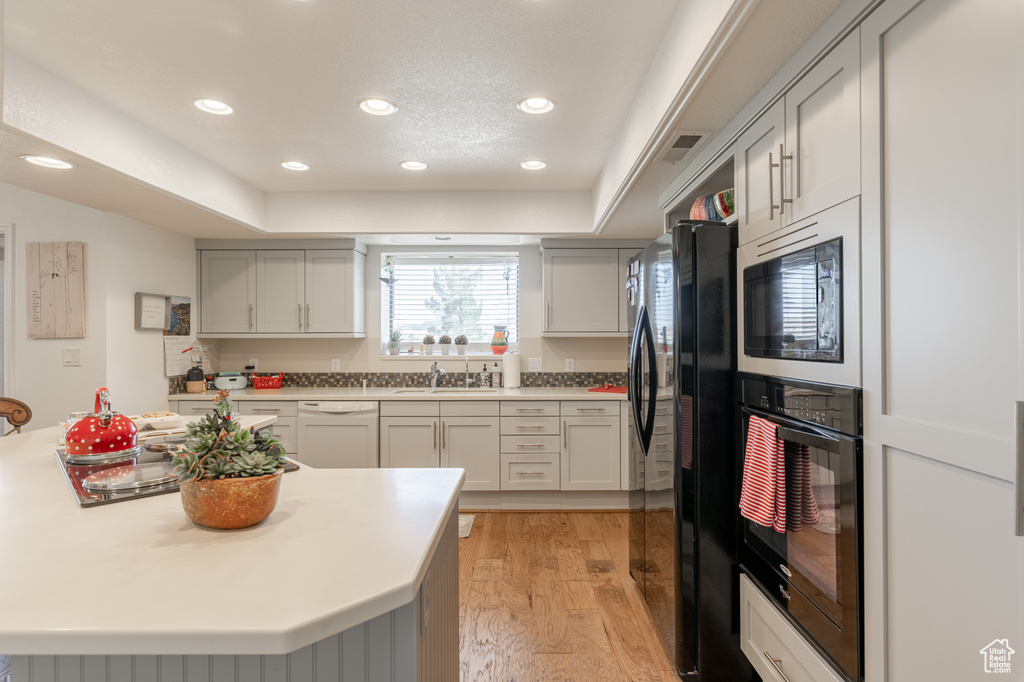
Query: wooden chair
x=15, y=412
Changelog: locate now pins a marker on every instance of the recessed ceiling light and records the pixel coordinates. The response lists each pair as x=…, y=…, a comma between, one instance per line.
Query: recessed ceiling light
x=295, y=165
x=533, y=165
x=47, y=161
x=212, y=106
x=413, y=165
x=378, y=107
x=535, y=105
x=442, y=237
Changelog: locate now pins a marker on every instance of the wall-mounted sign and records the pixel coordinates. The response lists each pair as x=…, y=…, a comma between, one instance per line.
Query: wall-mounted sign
x=56, y=290
x=152, y=311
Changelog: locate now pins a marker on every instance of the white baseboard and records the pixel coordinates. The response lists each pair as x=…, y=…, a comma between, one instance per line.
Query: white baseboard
x=544, y=499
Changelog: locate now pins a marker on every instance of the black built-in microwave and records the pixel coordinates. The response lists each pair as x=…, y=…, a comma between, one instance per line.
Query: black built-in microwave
x=792, y=305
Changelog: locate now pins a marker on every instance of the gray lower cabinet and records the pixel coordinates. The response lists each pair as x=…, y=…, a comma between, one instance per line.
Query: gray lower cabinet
x=410, y=442
x=327, y=442
x=471, y=443
x=590, y=453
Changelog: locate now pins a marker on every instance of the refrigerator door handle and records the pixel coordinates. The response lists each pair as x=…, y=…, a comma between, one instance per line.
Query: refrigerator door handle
x=634, y=380
x=652, y=363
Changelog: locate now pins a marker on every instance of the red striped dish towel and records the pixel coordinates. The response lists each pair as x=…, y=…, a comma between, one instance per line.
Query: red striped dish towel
x=801, y=506
x=763, y=494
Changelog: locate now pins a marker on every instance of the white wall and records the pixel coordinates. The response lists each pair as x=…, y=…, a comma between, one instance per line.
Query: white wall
x=363, y=355
x=121, y=257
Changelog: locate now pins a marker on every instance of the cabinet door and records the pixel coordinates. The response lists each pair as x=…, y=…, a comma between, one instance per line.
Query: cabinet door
x=624, y=256
x=409, y=442
x=227, y=291
x=581, y=290
x=757, y=181
x=285, y=429
x=280, y=295
x=330, y=298
x=590, y=453
x=941, y=347
x=337, y=443
x=823, y=134
x=472, y=443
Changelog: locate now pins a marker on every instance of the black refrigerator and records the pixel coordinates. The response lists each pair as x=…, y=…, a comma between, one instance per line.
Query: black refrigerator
x=683, y=521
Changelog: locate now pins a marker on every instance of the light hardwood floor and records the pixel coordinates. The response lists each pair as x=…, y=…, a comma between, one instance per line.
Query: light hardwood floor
x=547, y=597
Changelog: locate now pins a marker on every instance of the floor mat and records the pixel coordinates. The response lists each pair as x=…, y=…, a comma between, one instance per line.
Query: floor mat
x=465, y=524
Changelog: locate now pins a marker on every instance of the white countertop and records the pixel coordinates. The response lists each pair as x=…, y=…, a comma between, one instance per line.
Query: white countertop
x=137, y=577
x=408, y=393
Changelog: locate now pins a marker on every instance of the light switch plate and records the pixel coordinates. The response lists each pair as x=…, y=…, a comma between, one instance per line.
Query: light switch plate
x=254, y=363
x=72, y=357
x=335, y=364
x=535, y=365
x=570, y=364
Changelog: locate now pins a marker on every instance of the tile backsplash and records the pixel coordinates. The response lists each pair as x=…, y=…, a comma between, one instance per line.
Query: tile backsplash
x=416, y=379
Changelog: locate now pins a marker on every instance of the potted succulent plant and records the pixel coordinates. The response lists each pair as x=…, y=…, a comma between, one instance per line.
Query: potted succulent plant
x=394, y=342
x=230, y=476
x=460, y=344
x=445, y=342
x=428, y=344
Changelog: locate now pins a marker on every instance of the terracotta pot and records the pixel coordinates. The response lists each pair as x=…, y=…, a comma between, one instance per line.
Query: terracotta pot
x=231, y=502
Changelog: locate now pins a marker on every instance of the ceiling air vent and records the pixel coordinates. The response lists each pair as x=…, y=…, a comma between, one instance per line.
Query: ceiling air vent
x=683, y=144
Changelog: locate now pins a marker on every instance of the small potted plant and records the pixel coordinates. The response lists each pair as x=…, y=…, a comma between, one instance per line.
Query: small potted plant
x=428, y=344
x=460, y=344
x=230, y=477
x=445, y=342
x=394, y=342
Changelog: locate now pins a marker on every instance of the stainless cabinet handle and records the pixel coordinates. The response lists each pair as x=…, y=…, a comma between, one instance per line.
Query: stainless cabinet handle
x=1018, y=479
x=547, y=316
x=250, y=316
x=782, y=180
x=776, y=662
x=529, y=445
x=529, y=409
x=529, y=473
x=307, y=317
x=590, y=409
x=565, y=435
x=202, y=409
x=300, y=317
x=443, y=440
x=528, y=427
x=435, y=435
x=266, y=409
x=771, y=188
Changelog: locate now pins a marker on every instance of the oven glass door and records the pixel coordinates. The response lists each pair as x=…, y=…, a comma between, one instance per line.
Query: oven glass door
x=792, y=305
x=817, y=554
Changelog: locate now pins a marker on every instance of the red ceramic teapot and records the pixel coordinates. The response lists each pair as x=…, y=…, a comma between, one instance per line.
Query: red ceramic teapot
x=102, y=433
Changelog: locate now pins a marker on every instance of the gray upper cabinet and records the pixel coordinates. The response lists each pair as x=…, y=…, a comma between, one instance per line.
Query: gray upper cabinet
x=228, y=291
x=803, y=154
x=282, y=292
x=581, y=292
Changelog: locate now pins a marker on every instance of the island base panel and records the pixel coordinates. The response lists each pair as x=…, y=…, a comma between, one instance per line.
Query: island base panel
x=417, y=642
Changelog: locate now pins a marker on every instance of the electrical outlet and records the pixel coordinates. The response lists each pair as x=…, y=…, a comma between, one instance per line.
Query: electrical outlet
x=535, y=365
x=72, y=357
x=570, y=364
x=254, y=363
x=335, y=364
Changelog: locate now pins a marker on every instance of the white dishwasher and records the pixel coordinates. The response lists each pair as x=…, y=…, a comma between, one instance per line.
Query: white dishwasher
x=337, y=434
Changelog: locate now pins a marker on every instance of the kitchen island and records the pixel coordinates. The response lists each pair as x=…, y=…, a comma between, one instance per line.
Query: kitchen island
x=354, y=574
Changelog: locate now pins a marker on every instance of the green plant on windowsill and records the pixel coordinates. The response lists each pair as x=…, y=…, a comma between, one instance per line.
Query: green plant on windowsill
x=394, y=342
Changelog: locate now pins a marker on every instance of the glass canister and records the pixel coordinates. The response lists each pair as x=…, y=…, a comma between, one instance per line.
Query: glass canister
x=499, y=342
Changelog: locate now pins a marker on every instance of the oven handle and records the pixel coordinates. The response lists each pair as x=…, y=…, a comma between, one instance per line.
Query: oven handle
x=798, y=433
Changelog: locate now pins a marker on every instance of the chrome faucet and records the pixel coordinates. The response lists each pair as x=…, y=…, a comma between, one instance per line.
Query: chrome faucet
x=436, y=375
x=467, y=373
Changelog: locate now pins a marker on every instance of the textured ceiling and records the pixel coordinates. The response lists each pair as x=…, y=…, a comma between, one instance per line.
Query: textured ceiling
x=294, y=72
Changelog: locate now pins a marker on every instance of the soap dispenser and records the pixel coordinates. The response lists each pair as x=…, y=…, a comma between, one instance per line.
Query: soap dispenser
x=485, y=380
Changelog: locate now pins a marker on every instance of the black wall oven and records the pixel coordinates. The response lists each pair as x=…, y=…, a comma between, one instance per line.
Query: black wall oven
x=811, y=568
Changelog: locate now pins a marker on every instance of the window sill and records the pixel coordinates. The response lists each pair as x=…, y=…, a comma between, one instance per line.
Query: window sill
x=472, y=355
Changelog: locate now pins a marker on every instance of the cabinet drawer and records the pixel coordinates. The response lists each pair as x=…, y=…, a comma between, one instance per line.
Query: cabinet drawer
x=530, y=444
x=466, y=408
x=590, y=408
x=280, y=408
x=529, y=408
x=765, y=634
x=409, y=408
x=536, y=426
x=192, y=409
x=285, y=429
x=529, y=472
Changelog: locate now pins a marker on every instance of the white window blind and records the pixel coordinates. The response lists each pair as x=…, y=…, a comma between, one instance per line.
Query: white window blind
x=452, y=294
